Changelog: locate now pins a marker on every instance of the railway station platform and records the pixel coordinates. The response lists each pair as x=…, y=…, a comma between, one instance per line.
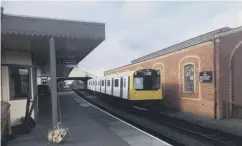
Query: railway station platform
x=233, y=126
x=88, y=126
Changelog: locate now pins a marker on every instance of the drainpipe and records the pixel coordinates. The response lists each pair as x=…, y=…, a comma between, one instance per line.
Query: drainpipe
x=214, y=77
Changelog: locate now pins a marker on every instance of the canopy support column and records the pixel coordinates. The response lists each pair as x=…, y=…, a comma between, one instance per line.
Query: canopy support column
x=53, y=82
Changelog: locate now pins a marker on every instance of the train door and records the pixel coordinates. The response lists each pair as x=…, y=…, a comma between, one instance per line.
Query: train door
x=94, y=86
x=105, y=85
x=116, y=87
x=112, y=86
x=121, y=87
x=125, y=87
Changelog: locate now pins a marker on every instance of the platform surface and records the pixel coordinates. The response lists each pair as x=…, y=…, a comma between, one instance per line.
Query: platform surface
x=233, y=126
x=88, y=127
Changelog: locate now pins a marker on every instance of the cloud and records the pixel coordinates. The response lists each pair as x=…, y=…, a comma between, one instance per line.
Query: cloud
x=142, y=29
x=134, y=29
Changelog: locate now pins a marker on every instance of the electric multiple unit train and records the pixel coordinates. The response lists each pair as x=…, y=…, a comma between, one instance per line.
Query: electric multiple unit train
x=140, y=85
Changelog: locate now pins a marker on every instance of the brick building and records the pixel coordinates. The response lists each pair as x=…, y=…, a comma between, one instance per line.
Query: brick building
x=213, y=57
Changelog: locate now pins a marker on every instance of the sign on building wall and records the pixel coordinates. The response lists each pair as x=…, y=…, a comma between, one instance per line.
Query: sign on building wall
x=205, y=77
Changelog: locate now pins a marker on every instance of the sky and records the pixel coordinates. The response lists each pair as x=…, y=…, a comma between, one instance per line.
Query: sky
x=135, y=28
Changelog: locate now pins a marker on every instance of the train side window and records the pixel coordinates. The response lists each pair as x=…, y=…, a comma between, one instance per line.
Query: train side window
x=121, y=82
x=102, y=82
x=108, y=83
x=124, y=83
x=116, y=83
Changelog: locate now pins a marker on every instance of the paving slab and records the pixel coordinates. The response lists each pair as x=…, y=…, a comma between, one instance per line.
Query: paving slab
x=233, y=126
x=88, y=126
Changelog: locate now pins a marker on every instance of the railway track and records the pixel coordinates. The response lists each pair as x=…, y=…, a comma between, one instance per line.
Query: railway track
x=131, y=121
x=213, y=136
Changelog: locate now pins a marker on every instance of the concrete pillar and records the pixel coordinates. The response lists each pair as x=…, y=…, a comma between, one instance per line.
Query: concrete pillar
x=53, y=82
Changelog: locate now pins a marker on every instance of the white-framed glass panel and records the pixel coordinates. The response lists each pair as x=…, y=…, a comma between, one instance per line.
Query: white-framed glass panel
x=108, y=83
x=138, y=83
x=189, y=78
x=116, y=83
x=19, y=82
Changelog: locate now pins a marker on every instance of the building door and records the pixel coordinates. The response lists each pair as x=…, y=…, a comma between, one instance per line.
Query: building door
x=237, y=83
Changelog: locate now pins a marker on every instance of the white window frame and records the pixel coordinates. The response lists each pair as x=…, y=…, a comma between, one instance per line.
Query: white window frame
x=194, y=77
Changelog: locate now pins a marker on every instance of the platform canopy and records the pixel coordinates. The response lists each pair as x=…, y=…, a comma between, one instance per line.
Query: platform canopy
x=74, y=40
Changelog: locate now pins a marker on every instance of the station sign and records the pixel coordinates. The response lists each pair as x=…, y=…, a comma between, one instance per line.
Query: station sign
x=68, y=60
x=205, y=77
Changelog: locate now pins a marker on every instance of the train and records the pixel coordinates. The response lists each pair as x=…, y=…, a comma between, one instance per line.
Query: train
x=140, y=86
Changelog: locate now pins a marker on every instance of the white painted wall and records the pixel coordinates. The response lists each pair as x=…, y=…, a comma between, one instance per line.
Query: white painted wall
x=18, y=107
x=16, y=57
x=5, y=84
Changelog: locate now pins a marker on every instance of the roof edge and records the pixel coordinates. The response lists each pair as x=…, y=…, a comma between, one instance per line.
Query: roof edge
x=50, y=18
x=189, y=41
x=222, y=30
x=234, y=30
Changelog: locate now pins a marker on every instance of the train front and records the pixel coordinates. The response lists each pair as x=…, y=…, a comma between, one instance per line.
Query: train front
x=145, y=85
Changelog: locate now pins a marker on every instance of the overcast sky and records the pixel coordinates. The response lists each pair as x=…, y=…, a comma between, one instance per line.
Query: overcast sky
x=134, y=29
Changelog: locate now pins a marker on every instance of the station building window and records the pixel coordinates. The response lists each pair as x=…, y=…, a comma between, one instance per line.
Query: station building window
x=189, y=78
x=19, y=82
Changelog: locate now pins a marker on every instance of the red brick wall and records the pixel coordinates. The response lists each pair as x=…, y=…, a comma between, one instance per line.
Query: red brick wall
x=225, y=47
x=172, y=65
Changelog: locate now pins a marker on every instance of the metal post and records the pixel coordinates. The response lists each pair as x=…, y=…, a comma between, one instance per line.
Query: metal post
x=53, y=82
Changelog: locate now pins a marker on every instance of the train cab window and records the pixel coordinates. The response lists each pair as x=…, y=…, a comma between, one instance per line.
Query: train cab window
x=116, y=83
x=147, y=80
x=108, y=83
x=102, y=82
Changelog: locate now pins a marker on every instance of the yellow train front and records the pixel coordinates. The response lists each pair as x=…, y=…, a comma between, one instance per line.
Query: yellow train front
x=140, y=86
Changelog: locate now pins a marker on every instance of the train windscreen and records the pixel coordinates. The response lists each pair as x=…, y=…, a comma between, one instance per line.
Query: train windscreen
x=147, y=80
